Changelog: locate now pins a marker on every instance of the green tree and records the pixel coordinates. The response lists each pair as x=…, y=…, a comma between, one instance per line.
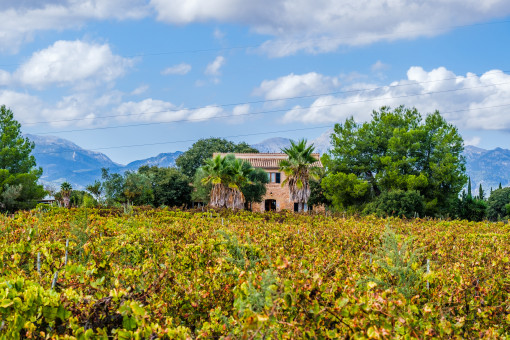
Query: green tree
x=169, y=186
x=397, y=203
x=481, y=193
x=202, y=150
x=298, y=169
x=113, y=186
x=317, y=193
x=497, y=204
x=137, y=188
x=255, y=189
x=399, y=150
x=201, y=191
x=469, y=194
x=96, y=190
x=18, y=172
x=471, y=209
x=227, y=176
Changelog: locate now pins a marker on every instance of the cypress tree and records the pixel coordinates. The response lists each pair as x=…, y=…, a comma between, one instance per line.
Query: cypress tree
x=481, y=194
x=469, y=188
x=500, y=187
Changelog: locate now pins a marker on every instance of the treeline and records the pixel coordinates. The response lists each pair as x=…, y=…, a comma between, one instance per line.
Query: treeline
x=397, y=164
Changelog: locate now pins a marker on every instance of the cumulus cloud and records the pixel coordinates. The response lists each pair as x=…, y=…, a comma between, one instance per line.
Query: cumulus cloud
x=21, y=18
x=153, y=110
x=180, y=69
x=379, y=66
x=214, y=68
x=294, y=85
x=140, y=89
x=323, y=25
x=474, y=141
x=69, y=63
x=470, y=101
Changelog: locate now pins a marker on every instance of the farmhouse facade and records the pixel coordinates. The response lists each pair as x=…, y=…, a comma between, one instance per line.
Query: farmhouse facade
x=277, y=198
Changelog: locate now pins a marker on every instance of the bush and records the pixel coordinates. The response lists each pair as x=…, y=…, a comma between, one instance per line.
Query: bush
x=397, y=203
x=497, y=204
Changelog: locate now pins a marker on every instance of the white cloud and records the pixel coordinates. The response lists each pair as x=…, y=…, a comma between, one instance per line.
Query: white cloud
x=241, y=109
x=474, y=141
x=72, y=63
x=218, y=34
x=153, y=110
x=214, y=68
x=294, y=85
x=20, y=19
x=379, y=66
x=470, y=101
x=323, y=25
x=140, y=90
x=180, y=69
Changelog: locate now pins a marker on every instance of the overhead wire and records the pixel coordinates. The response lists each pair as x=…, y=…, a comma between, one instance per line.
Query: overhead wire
x=264, y=112
x=265, y=100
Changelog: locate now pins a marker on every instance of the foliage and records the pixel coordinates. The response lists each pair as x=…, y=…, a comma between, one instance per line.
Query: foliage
x=255, y=189
x=18, y=172
x=196, y=156
x=201, y=191
x=96, y=190
x=113, y=185
x=471, y=208
x=345, y=190
x=227, y=176
x=398, y=203
x=497, y=204
x=170, y=187
x=298, y=169
x=399, y=150
x=137, y=188
x=397, y=264
x=65, y=193
x=171, y=274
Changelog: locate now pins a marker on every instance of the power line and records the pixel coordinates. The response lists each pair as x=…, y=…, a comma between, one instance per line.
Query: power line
x=244, y=135
x=264, y=112
x=265, y=100
x=319, y=39
x=187, y=140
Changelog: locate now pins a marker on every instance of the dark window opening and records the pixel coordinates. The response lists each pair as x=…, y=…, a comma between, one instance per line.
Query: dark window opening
x=270, y=205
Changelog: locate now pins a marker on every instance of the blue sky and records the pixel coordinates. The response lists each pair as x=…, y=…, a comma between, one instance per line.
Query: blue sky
x=112, y=74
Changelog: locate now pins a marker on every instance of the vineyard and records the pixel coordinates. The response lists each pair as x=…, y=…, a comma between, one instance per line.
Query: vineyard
x=148, y=274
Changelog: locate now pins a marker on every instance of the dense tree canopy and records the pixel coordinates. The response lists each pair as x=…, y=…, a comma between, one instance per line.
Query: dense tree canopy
x=18, y=172
x=499, y=204
x=255, y=189
x=202, y=150
x=170, y=187
x=396, y=150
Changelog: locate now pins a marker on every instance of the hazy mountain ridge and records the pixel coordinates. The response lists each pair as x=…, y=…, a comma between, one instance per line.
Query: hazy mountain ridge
x=63, y=160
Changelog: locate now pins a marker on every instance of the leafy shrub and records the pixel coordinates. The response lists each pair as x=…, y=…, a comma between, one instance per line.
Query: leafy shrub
x=398, y=203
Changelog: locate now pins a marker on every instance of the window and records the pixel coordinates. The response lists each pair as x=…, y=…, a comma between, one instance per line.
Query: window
x=274, y=177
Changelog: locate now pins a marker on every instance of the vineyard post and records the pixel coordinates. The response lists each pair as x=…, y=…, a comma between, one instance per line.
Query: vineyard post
x=67, y=246
x=222, y=221
x=54, y=282
x=39, y=263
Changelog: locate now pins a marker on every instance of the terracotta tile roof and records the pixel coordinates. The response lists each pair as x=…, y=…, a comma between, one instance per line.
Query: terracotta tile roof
x=266, y=160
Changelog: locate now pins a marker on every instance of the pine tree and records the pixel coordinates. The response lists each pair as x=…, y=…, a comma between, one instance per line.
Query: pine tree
x=469, y=188
x=18, y=172
x=481, y=194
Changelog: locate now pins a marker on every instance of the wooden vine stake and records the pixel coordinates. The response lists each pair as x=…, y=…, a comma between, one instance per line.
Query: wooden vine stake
x=39, y=263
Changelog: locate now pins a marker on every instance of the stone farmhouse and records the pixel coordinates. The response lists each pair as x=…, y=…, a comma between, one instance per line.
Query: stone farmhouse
x=277, y=198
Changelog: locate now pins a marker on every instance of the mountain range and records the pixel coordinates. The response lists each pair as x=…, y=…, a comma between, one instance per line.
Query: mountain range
x=63, y=160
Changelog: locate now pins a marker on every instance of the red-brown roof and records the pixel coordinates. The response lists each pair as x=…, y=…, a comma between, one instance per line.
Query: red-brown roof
x=266, y=160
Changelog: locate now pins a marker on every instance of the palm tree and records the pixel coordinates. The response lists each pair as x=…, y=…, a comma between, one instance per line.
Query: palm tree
x=65, y=191
x=298, y=170
x=227, y=175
